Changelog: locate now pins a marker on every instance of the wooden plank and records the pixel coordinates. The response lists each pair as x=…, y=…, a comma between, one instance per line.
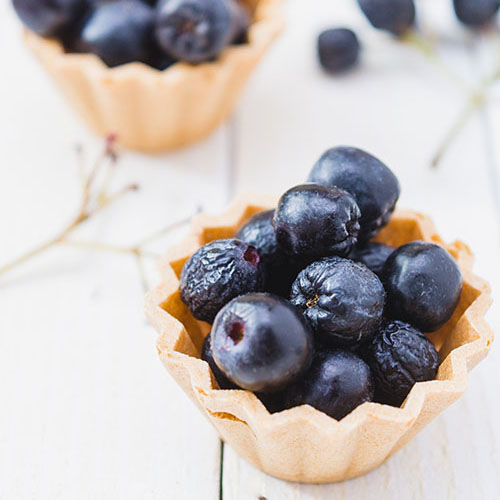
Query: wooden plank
x=398, y=106
x=87, y=409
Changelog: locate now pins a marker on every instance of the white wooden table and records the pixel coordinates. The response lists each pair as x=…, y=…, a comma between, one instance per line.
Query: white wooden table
x=87, y=411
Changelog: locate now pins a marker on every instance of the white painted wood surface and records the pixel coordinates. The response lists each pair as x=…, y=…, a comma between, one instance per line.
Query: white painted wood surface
x=87, y=410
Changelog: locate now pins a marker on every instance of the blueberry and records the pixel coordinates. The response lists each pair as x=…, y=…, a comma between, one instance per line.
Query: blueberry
x=206, y=355
x=343, y=301
x=261, y=342
x=316, y=221
x=337, y=382
x=49, y=17
x=373, y=255
x=396, y=16
x=399, y=356
x=120, y=31
x=338, y=49
x=217, y=273
x=198, y=30
x=372, y=184
x=423, y=285
x=476, y=13
x=281, y=270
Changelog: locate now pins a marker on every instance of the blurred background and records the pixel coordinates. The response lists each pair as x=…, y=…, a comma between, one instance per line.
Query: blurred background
x=88, y=411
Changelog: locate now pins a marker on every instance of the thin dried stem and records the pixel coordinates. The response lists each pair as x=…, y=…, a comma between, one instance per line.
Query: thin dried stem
x=413, y=39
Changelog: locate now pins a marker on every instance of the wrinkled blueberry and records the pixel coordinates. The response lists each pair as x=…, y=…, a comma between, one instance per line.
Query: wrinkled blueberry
x=423, y=285
x=49, y=17
x=372, y=184
x=338, y=49
x=217, y=273
x=261, y=342
x=343, y=301
x=198, y=30
x=281, y=269
x=337, y=382
x=399, y=356
x=396, y=16
x=476, y=13
x=206, y=355
x=120, y=32
x=373, y=255
x=316, y=221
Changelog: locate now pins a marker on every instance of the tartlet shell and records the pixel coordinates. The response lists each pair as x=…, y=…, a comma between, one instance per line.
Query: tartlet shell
x=303, y=444
x=150, y=110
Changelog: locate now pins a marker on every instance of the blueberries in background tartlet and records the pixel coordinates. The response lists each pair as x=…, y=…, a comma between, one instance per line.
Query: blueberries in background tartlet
x=395, y=16
x=281, y=269
x=476, y=13
x=423, y=284
x=217, y=273
x=400, y=356
x=338, y=49
x=207, y=355
x=197, y=30
x=313, y=221
x=261, y=342
x=120, y=31
x=49, y=17
x=337, y=382
x=156, y=33
x=373, y=255
x=372, y=184
x=343, y=301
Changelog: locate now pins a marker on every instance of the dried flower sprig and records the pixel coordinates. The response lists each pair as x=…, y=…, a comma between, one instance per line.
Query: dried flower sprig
x=94, y=199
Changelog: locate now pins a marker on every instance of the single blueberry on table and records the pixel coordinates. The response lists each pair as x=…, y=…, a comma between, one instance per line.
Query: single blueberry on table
x=314, y=221
x=217, y=273
x=423, y=284
x=281, y=269
x=49, y=17
x=338, y=49
x=476, y=13
x=261, y=342
x=337, y=382
x=207, y=355
x=373, y=255
x=120, y=32
x=198, y=30
x=396, y=16
x=342, y=301
x=372, y=184
x=399, y=356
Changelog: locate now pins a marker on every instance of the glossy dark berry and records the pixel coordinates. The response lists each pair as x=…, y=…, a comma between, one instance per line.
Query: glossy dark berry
x=476, y=13
x=338, y=49
x=423, y=284
x=206, y=355
x=396, y=16
x=399, y=356
x=343, y=301
x=197, y=30
x=261, y=342
x=217, y=273
x=337, y=382
x=373, y=255
x=49, y=17
x=372, y=184
x=314, y=221
x=274, y=402
x=281, y=269
x=120, y=31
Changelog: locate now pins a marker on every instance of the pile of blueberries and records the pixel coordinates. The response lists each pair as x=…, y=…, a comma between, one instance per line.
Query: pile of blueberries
x=306, y=309
x=338, y=48
x=155, y=32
